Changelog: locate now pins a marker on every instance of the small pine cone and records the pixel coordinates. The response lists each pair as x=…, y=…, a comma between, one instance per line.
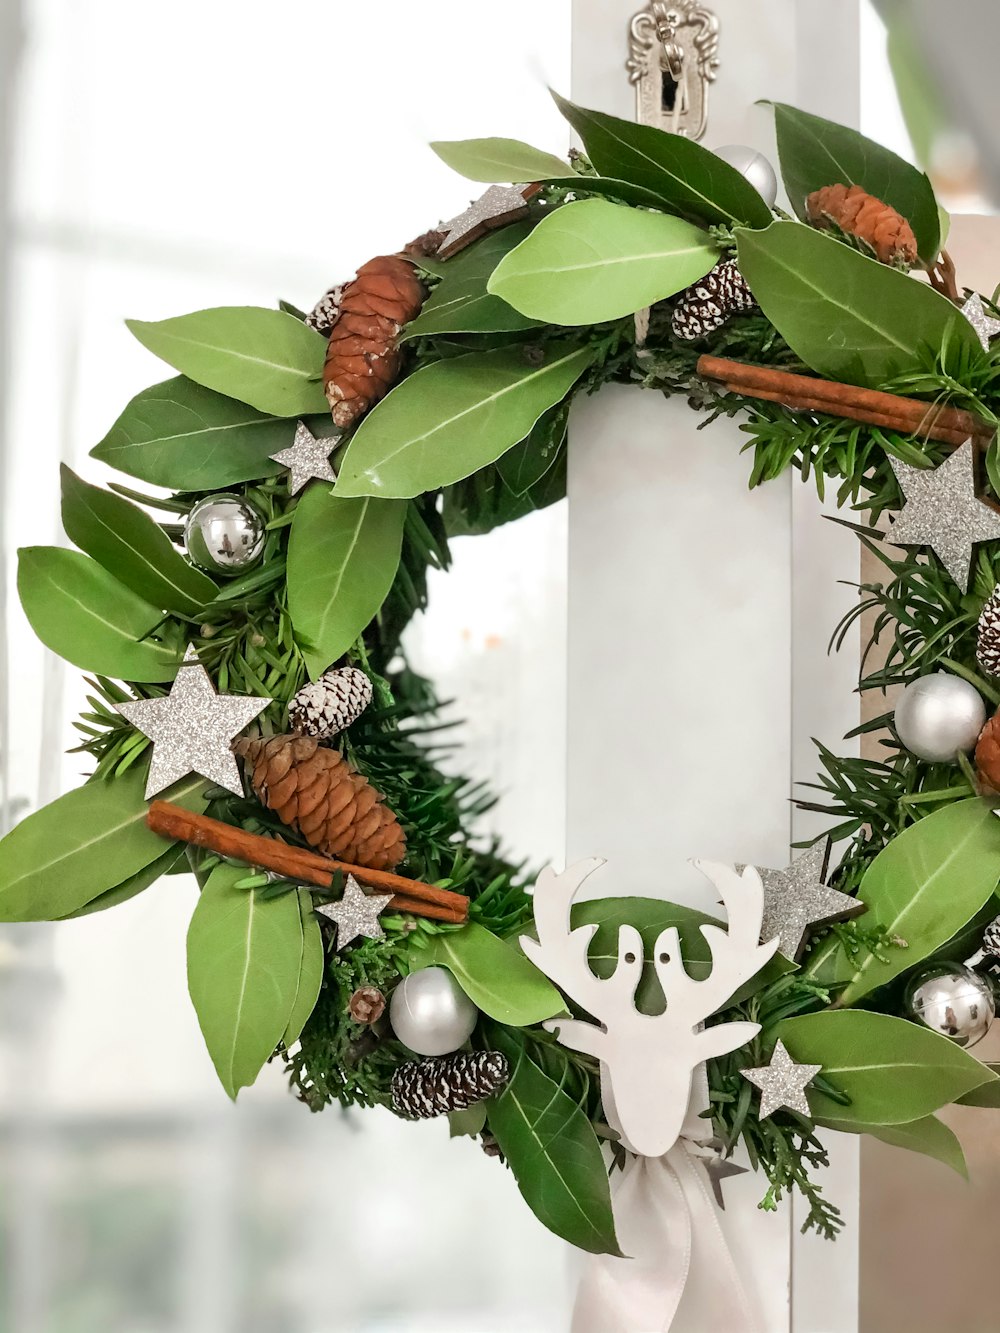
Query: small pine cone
x=315, y=791
x=366, y=1005
x=425, y=1088
x=363, y=360
x=988, y=645
x=991, y=939
x=323, y=315
x=878, y=226
x=330, y=704
x=988, y=752
x=711, y=302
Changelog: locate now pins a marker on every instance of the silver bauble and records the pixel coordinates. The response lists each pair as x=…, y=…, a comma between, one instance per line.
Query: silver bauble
x=939, y=716
x=225, y=534
x=953, y=1000
x=754, y=166
x=430, y=1013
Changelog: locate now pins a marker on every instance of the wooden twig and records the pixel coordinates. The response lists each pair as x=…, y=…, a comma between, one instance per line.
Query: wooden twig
x=943, y=278
x=909, y=416
x=296, y=863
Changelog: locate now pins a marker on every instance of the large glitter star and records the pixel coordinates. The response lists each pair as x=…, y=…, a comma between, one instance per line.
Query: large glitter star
x=985, y=325
x=306, y=457
x=498, y=206
x=191, y=728
x=796, y=898
x=782, y=1082
x=942, y=511
x=357, y=913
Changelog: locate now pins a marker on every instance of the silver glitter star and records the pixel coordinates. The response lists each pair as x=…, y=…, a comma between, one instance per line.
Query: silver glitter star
x=782, y=1082
x=498, y=206
x=306, y=457
x=191, y=728
x=985, y=325
x=796, y=898
x=942, y=511
x=357, y=913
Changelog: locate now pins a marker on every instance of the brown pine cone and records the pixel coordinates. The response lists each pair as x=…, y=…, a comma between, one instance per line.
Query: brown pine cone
x=988, y=752
x=315, y=791
x=362, y=360
x=878, y=226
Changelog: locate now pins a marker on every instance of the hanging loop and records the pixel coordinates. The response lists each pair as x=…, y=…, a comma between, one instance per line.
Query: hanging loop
x=672, y=61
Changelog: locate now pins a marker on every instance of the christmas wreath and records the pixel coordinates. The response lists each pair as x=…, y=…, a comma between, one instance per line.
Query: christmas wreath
x=252, y=715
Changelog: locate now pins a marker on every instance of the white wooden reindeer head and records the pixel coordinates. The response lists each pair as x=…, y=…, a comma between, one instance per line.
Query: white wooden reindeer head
x=647, y=1061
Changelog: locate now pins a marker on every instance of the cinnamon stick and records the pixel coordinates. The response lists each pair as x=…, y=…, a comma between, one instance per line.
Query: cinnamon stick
x=297, y=863
x=910, y=416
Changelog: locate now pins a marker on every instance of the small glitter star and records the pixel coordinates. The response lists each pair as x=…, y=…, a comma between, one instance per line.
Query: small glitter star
x=191, y=728
x=782, y=1082
x=306, y=457
x=797, y=897
x=942, y=511
x=498, y=206
x=985, y=325
x=357, y=913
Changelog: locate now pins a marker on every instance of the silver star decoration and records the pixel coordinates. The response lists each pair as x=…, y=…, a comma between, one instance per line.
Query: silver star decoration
x=499, y=205
x=985, y=325
x=306, y=457
x=191, y=728
x=782, y=1082
x=942, y=511
x=357, y=913
x=717, y=1166
x=797, y=898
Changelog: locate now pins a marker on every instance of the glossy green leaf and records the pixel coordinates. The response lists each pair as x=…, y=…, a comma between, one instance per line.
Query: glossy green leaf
x=551, y=1148
x=131, y=547
x=925, y=885
x=85, y=615
x=683, y=175
x=342, y=558
x=621, y=192
x=526, y=464
x=266, y=358
x=467, y=1123
x=987, y=1094
x=312, y=961
x=133, y=886
x=495, y=975
x=892, y=1070
x=188, y=438
x=593, y=261
x=453, y=417
x=484, y=501
x=84, y=844
x=928, y=1136
x=815, y=152
x=460, y=303
x=244, y=954
x=499, y=161
x=847, y=316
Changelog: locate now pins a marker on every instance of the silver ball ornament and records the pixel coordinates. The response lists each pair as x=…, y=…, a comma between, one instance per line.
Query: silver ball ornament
x=952, y=1000
x=754, y=166
x=939, y=716
x=430, y=1013
x=225, y=534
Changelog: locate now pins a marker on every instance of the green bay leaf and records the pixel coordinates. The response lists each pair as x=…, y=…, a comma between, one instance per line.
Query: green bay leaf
x=684, y=176
x=81, y=846
x=131, y=547
x=847, y=316
x=893, y=1071
x=131, y=887
x=592, y=261
x=928, y=1136
x=453, y=417
x=526, y=464
x=266, y=358
x=495, y=975
x=244, y=955
x=499, y=161
x=85, y=615
x=183, y=436
x=311, y=965
x=342, y=558
x=555, y=1156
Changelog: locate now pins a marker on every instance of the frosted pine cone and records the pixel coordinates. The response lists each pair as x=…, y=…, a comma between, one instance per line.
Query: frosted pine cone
x=991, y=939
x=323, y=315
x=425, y=1088
x=711, y=302
x=330, y=704
x=988, y=646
